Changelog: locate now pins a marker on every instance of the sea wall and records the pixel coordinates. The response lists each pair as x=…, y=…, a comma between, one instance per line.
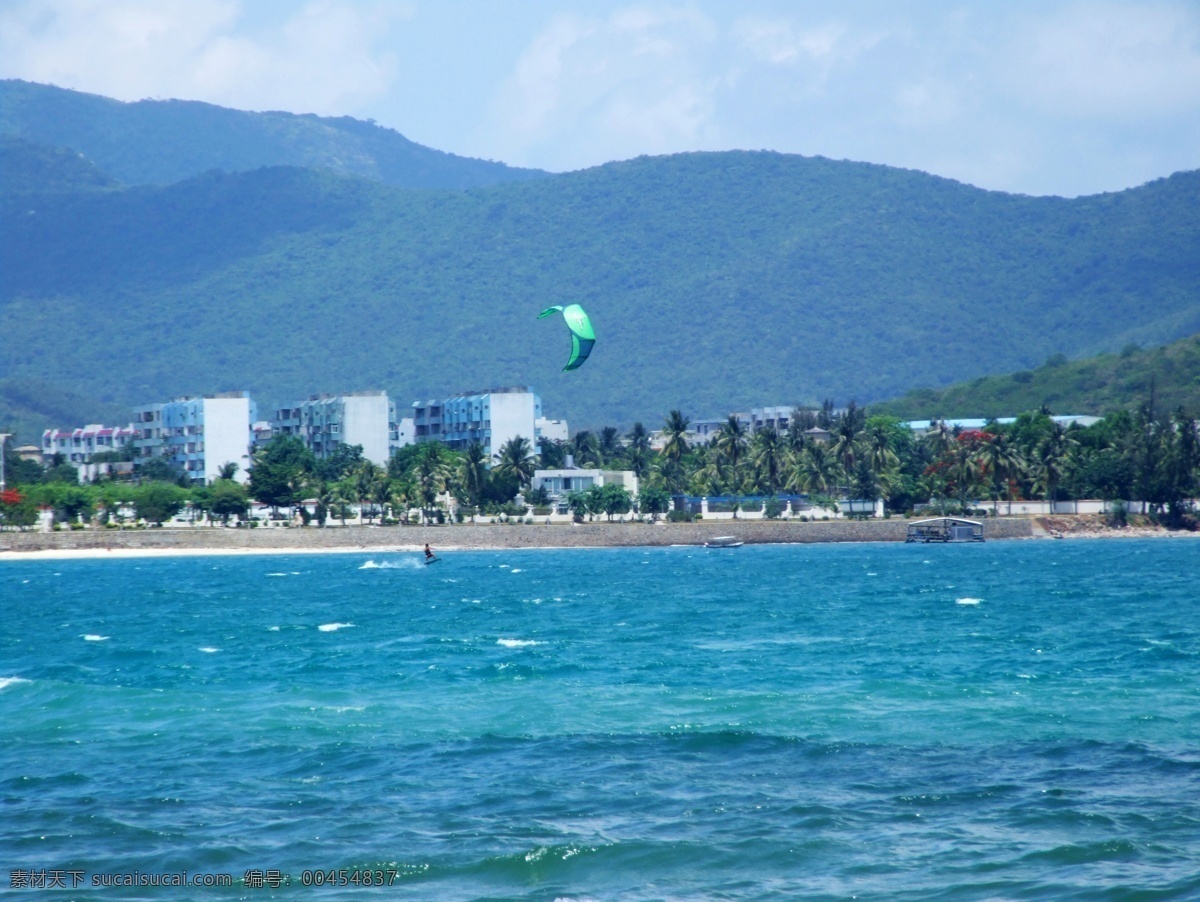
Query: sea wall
x=365, y=538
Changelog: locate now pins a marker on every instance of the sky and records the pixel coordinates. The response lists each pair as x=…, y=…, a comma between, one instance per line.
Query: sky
x=1028, y=96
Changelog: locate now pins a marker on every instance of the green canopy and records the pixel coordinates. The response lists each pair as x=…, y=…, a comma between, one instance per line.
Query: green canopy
x=582, y=334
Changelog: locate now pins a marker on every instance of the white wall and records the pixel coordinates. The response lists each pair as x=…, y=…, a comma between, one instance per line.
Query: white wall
x=226, y=436
x=365, y=422
x=512, y=415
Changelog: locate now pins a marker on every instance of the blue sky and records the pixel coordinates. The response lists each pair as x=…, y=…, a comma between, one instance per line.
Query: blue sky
x=1030, y=96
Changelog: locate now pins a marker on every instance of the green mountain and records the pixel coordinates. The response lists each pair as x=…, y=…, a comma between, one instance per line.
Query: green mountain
x=715, y=281
x=27, y=407
x=164, y=141
x=1097, y=386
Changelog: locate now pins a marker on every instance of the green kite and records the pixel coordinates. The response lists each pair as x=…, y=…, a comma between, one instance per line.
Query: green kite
x=582, y=334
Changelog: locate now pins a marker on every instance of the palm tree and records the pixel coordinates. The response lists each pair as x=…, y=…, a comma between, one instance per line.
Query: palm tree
x=964, y=472
x=364, y=478
x=609, y=444
x=473, y=473
x=1001, y=462
x=516, y=459
x=675, y=431
x=227, y=470
x=639, y=450
x=731, y=441
x=430, y=474
x=585, y=448
x=1050, y=457
x=768, y=453
x=816, y=471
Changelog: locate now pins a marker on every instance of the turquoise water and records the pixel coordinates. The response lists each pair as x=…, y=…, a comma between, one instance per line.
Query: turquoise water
x=1013, y=720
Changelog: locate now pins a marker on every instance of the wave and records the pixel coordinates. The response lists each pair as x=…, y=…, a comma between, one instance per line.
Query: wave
x=5, y=682
x=333, y=627
x=518, y=643
x=93, y=637
x=967, y=600
x=406, y=563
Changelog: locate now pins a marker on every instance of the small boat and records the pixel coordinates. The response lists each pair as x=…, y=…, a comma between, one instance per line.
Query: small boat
x=724, y=542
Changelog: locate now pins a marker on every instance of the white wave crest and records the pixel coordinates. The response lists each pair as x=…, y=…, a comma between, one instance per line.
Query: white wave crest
x=93, y=637
x=333, y=627
x=967, y=600
x=5, y=682
x=518, y=643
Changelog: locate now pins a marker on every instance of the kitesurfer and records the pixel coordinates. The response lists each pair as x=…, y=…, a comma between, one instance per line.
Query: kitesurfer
x=428, y=553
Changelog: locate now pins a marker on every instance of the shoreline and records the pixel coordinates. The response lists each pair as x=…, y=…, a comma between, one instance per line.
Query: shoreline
x=215, y=541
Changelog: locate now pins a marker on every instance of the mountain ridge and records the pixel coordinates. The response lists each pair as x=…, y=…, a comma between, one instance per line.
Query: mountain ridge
x=716, y=281
x=164, y=141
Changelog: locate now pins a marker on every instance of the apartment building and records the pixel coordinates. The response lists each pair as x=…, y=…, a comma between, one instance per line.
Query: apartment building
x=491, y=417
x=326, y=422
x=198, y=434
x=77, y=446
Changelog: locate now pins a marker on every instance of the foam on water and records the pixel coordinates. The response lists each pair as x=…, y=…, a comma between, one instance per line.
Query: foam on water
x=518, y=643
x=404, y=563
x=5, y=682
x=333, y=627
x=969, y=601
x=94, y=637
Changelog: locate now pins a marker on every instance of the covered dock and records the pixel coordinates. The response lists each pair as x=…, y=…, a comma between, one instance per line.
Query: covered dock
x=944, y=529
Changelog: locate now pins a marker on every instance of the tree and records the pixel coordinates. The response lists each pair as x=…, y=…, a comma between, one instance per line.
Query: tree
x=343, y=460
x=816, y=471
x=639, y=450
x=279, y=472
x=653, y=501
x=608, y=445
x=227, y=470
x=614, y=500
x=228, y=498
x=731, y=442
x=675, y=433
x=156, y=502
x=768, y=453
x=1049, y=458
x=516, y=459
x=473, y=473
x=430, y=473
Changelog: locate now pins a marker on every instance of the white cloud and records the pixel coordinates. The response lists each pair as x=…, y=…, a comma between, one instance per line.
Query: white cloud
x=323, y=56
x=1106, y=59
x=589, y=89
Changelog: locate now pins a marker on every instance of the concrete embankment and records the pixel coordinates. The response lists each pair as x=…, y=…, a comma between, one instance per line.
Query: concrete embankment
x=383, y=538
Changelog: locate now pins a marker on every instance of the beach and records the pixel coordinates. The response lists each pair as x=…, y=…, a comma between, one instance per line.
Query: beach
x=204, y=540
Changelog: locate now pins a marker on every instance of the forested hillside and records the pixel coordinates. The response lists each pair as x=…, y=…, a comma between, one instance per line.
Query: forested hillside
x=164, y=141
x=715, y=281
x=1097, y=385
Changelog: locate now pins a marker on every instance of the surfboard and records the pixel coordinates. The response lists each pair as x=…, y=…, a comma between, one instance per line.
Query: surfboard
x=431, y=560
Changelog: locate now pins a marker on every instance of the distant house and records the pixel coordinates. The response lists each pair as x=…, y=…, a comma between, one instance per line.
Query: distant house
x=817, y=434
x=79, y=445
x=569, y=479
x=921, y=427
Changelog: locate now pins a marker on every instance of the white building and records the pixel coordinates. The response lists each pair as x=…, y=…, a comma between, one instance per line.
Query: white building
x=552, y=430
x=564, y=481
x=491, y=417
x=920, y=427
x=78, y=445
x=326, y=422
x=198, y=434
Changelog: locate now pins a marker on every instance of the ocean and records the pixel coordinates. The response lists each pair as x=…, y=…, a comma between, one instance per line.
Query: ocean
x=1011, y=720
